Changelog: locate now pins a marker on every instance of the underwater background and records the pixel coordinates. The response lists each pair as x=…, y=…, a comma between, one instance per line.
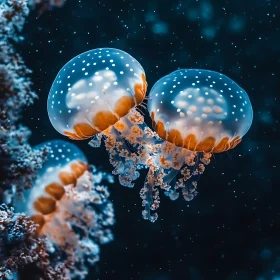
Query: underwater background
x=231, y=230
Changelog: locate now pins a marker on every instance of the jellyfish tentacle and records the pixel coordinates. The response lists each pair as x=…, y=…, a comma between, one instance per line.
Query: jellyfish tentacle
x=188, y=183
x=95, y=142
x=120, y=156
x=136, y=127
x=168, y=178
x=150, y=197
x=130, y=144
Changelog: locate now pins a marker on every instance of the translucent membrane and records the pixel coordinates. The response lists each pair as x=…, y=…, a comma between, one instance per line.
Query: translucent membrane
x=64, y=166
x=94, y=90
x=200, y=110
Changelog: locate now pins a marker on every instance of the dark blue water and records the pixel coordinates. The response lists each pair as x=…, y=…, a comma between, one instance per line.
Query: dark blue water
x=231, y=229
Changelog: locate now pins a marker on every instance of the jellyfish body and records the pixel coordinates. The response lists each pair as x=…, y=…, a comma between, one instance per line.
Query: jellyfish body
x=65, y=165
x=198, y=112
x=94, y=96
x=93, y=91
x=69, y=204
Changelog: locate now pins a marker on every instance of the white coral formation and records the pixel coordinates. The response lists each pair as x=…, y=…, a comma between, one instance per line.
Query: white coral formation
x=18, y=162
x=17, y=232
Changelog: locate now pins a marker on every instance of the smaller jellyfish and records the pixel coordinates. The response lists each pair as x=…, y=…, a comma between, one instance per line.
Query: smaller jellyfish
x=65, y=165
x=197, y=113
x=69, y=203
x=94, y=96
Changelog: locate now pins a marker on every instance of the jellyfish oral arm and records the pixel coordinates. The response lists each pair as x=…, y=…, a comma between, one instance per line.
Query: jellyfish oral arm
x=130, y=144
x=123, y=161
x=150, y=197
x=171, y=169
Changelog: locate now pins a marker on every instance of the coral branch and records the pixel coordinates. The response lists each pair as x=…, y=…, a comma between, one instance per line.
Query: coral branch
x=18, y=162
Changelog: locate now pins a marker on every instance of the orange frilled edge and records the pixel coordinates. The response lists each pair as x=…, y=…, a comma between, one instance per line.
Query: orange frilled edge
x=47, y=205
x=190, y=142
x=104, y=119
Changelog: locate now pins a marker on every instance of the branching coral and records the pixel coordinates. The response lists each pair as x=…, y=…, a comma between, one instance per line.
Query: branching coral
x=18, y=162
x=19, y=244
x=21, y=247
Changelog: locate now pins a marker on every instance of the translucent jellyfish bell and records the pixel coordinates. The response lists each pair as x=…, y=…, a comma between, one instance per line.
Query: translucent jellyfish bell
x=200, y=110
x=65, y=164
x=94, y=90
x=61, y=153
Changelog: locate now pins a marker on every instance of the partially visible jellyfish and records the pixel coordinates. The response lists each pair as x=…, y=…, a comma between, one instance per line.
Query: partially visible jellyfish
x=197, y=113
x=70, y=204
x=94, y=96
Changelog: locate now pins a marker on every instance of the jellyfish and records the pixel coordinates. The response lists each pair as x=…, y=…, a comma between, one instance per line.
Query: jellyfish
x=95, y=96
x=69, y=203
x=196, y=113
x=65, y=164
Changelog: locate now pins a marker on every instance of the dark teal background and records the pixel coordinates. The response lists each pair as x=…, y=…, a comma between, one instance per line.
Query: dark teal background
x=231, y=229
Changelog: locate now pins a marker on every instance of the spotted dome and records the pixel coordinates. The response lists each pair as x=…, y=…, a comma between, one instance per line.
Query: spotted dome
x=94, y=90
x=65, y=164
x=200, y=110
